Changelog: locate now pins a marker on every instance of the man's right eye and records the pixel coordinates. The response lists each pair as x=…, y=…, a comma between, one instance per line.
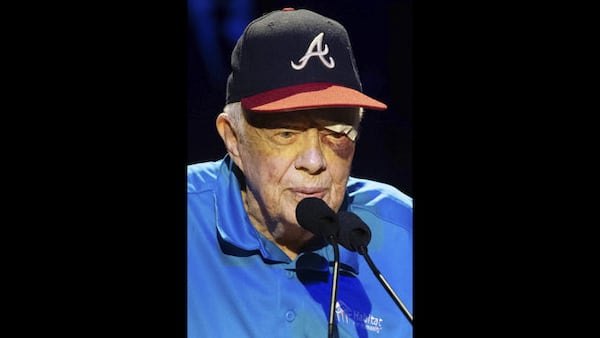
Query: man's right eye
x=284, y=137
x=286, y=134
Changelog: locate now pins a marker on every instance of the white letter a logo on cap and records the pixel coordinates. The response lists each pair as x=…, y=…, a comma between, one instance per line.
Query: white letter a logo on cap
x=317, y=43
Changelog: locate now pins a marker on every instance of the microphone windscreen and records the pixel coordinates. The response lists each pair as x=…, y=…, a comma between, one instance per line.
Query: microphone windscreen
x=354, y=232
x=314, y=215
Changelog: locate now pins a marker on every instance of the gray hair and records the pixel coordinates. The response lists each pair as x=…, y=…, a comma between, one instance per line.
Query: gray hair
x=235, y=112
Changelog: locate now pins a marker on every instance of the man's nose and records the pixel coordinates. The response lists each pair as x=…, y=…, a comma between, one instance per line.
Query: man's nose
x=310, y=157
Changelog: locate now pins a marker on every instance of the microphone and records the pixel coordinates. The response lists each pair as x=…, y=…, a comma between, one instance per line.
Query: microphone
x=355, y=235
x=314, y=215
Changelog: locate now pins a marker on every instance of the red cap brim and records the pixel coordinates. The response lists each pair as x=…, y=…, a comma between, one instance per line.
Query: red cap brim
x=308, y=96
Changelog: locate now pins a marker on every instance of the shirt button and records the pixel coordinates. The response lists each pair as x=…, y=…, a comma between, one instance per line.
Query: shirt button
x=290, y=315
x=290, y=274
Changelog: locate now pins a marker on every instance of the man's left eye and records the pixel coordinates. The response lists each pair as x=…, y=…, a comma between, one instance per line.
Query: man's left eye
x=336, y=135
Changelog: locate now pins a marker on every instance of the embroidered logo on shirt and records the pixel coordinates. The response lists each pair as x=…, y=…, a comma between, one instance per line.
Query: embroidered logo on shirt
x=317, y=43
x=367, y=320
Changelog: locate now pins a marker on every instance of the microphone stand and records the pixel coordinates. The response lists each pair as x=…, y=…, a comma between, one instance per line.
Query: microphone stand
x=363, y=251
x=334, y=287
x=314, y=215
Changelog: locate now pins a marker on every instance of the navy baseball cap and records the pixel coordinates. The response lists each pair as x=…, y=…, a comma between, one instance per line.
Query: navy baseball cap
x=292, y=59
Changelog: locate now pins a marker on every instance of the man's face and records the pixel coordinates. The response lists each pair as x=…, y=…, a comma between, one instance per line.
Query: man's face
x=290, y=156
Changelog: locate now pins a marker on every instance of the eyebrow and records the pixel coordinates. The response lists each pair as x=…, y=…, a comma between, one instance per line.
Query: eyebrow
x=301, y=122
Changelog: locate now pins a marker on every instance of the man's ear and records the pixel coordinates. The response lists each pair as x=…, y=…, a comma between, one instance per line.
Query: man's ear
x=229, y=137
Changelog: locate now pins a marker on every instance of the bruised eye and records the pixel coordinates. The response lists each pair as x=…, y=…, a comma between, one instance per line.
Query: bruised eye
x=335, y=138
x=336, y=135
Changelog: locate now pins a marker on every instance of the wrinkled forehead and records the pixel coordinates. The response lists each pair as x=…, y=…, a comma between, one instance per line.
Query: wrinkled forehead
x=304, y=118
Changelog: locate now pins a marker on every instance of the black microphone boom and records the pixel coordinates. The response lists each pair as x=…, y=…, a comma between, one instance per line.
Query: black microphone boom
x=314, y=215
x=355, y=235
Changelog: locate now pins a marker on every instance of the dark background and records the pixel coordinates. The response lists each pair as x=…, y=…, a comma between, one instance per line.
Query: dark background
x=381, y=34
x=95, y=175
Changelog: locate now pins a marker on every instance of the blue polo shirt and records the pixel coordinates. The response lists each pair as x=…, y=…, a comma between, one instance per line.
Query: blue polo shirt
x=240, y=284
